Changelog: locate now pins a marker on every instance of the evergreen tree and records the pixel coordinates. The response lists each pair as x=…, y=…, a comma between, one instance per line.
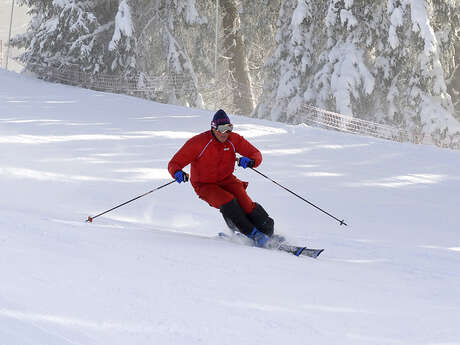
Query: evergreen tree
x=166, y=48
x=258, y=25
x=446, y=25
x=123, y=45
x=348, y=56
x=415, y=85
x=177, y=39
x=281, y=83
x=346, y=78
x=90, y=36
x=146, y=40
x=61, y=33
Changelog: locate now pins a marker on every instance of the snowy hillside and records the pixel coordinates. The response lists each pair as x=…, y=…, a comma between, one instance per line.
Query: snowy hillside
x=153, y=272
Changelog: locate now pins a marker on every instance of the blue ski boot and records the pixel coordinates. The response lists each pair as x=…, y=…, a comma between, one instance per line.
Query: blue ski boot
x=260, y=239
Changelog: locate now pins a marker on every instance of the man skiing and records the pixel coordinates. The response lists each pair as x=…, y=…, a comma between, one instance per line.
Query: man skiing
x=212, y=155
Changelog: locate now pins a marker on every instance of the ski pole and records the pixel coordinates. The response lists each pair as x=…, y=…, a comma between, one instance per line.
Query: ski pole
x=342, y=222
x=90, y=219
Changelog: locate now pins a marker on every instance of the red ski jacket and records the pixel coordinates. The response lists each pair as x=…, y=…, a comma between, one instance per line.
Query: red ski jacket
x=212, y=161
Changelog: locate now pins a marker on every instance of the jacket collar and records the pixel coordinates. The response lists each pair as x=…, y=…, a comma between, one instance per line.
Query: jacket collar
x=213, y=135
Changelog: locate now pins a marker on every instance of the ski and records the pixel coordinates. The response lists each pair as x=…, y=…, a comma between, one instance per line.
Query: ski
x=298, y=251
x=279, y=245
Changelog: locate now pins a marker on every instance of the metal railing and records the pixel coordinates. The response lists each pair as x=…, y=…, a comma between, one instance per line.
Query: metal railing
x=328, y=119
x=111, y=83
x=158, y=88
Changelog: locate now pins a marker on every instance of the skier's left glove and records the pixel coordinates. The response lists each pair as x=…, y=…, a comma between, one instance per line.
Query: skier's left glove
x=246, y=162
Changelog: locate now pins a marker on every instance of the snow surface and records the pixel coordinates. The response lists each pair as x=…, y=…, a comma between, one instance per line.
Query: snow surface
x=153, y=271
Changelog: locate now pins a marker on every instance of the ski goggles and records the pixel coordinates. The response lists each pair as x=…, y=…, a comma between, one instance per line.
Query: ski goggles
x=228, y=127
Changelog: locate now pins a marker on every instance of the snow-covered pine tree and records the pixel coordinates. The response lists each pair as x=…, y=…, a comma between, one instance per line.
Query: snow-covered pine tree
x=246, y=35
x=344, y=71
x=347, y=56
x=176, y=39
x=183, y=16
x=258, y=25
x=165, y=29
x=282, y=69
x=415, y=85
x=123, y=45
x=90, y=36
x=322, y=58
x=446, y=25
x=61, y=33
x=147, y=40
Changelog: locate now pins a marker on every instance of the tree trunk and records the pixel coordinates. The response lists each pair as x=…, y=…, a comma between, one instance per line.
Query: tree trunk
x=243, y=99
x=454, y=87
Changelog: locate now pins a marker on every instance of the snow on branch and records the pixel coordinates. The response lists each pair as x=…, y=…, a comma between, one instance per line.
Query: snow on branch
x=123, y=24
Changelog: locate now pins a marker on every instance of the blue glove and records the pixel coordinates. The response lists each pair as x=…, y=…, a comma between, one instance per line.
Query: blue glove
x=245, y=162
x=180, y=176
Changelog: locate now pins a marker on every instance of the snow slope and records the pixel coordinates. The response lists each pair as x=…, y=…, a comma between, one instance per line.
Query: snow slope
x=153, y=272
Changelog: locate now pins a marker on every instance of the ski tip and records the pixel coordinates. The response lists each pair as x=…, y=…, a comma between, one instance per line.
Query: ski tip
x=319, y=253
x=312, y=253
x=89, y=220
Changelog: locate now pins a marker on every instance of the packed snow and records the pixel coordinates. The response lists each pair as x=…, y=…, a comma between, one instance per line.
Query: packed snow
x=154, y=271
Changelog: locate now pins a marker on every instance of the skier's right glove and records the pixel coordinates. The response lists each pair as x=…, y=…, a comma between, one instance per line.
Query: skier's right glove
x=180, y=176
x=246, y=162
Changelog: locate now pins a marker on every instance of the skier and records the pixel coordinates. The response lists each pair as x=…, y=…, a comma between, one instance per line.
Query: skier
x=212, y=155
